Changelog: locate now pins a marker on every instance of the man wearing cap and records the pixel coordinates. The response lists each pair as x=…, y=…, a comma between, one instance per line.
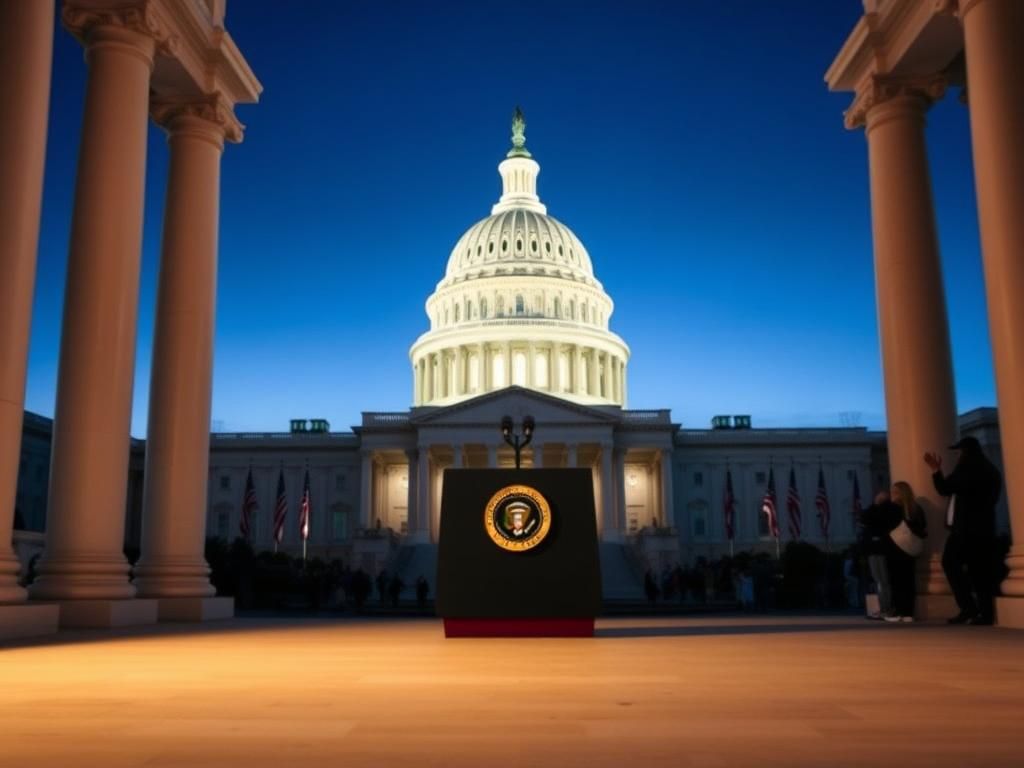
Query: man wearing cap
x=973, y=489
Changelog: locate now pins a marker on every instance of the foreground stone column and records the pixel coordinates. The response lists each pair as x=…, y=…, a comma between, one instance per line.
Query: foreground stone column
x=26, y=49
x=919, y=398
x=84, y=562
x=172, y=565
x=994, y=30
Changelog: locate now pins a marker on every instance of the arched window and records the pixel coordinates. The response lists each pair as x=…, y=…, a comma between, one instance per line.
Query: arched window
x=469, y=309
x=558, y=307
x=499, y=307
x=583, y=313
x=483, y=309
x=520, y=305
x=446, y=315
x=457, y=309
x=572, y=309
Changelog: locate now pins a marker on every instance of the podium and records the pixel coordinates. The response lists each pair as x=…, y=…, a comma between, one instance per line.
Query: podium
x=517, y=554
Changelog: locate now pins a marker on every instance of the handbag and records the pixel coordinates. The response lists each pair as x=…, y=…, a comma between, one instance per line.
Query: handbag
x=906, y=539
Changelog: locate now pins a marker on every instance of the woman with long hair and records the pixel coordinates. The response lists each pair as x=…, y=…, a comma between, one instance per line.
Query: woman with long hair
x=907, y=542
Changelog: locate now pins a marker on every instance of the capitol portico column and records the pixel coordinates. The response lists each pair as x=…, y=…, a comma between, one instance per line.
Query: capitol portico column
x=993, y=31
x=172, y=565
x=366, y=490
x=84, y=559
x=619, y=455
x=419, y=532
x=608, y=530
x=911, y=301
x=531, y=376
x=668, y=516
x=412, y=490
x=26, y=51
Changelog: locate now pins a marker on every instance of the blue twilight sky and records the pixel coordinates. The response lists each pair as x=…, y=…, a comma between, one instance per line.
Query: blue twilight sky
x=692, y=146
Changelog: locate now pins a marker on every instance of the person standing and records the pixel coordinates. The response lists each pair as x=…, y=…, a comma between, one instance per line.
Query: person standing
x=878, y=519
x=973, y=488
x=905, y=546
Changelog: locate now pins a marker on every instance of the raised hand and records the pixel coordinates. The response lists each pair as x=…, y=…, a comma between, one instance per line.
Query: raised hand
x=933, y=460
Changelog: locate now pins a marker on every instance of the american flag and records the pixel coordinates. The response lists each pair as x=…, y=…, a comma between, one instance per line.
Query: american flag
x=793, y=506
x=304, y=510
x=280, y=509
x=768, y=505
x=821, y=502
x=729, y=507
x=249, y=506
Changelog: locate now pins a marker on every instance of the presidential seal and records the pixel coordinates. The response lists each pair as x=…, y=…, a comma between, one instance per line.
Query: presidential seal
x=517, y=518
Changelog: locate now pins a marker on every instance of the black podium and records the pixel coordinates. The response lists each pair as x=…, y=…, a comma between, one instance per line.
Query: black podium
x=517, y=554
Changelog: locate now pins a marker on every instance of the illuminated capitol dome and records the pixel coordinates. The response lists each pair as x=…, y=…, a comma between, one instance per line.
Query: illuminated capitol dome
x=519, y=305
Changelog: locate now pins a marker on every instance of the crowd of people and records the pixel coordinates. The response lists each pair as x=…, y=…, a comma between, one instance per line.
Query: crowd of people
x=883, y=563
x=895, y=529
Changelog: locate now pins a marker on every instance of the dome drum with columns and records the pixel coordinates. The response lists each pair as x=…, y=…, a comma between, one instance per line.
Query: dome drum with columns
x=519, y=305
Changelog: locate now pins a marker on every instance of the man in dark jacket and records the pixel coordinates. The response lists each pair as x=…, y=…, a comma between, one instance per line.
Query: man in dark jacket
x=973, y=489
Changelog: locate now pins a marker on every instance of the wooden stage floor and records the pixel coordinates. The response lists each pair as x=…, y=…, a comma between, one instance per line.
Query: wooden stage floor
x=721, y=691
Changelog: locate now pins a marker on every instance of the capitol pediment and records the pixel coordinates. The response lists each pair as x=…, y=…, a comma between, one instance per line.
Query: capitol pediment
x=516, y=402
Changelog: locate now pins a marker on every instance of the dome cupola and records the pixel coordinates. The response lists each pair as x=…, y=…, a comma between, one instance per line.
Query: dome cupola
x=519, y=305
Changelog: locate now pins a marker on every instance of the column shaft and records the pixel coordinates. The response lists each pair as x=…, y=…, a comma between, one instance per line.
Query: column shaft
x=89, y=466
x=667, y=510
x=423, y=476
x=919, y=398
x=412, y=492
x=366, y=490
x=608, y=529
x=993, y=31
x=172, y=563
x=620, y=489
x=26, y=50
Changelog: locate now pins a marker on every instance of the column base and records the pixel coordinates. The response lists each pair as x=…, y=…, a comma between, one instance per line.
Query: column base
x=28, y=620
x=195, y=608
x=1010, y=612
x=104, y=614
x=935, y=607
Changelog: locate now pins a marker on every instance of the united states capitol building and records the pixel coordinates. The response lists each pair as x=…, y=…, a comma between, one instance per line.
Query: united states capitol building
x=520, y=325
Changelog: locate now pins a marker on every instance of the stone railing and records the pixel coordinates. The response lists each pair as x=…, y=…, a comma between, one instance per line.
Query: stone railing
x=647, y=417
x=385, y=418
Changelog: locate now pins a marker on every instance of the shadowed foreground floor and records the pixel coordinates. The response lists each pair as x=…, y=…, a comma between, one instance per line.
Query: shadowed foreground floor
x=676, y=691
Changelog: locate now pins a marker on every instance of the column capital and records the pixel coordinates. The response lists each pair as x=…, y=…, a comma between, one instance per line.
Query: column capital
x=899, y=93
x=208, y=117
x=120, y=25
x=959, y=7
